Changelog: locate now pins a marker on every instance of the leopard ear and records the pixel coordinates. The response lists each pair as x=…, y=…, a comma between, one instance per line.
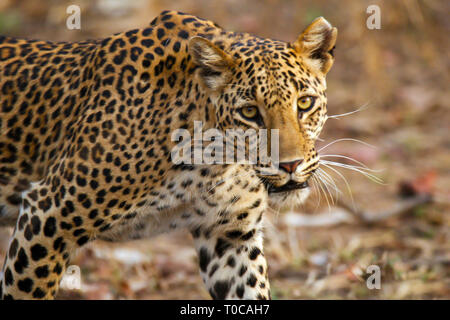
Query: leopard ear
x=215, y=64
x=317, y=43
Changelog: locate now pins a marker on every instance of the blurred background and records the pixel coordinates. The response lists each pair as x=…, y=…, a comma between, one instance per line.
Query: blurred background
x=399, y=74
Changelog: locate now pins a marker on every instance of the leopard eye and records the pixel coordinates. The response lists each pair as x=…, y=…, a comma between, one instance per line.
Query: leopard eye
x=305, y=104
x=249, y=112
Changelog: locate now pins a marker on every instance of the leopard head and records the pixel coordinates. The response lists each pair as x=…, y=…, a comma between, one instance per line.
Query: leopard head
x=257, y=83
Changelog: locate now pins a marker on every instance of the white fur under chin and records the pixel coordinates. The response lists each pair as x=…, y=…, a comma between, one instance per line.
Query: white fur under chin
x=289, y=199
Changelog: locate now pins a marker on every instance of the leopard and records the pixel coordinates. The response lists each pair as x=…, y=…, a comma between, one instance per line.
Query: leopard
x=86, y=140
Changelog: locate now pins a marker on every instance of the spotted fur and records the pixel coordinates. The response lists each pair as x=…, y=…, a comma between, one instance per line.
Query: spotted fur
x=85, y=145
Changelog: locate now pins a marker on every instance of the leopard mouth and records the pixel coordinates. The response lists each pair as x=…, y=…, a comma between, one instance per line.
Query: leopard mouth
x=290, y=186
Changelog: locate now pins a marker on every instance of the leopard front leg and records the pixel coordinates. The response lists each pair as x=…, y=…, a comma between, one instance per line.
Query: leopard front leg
x=50, y=227
x=230, y=243
x=40, y=247
x=56, y=217
x=232, y=264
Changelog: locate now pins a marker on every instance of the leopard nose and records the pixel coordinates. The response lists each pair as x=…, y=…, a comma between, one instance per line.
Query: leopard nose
x=290, y=167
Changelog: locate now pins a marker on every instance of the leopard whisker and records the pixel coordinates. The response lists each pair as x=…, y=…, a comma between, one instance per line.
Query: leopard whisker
x=326, y=191
x=327, y=186
x=316, y=189
x=361, y=108
x=354, y=168
x=344, y=157
x=327, y=179
x=323, y=190
x=330, y=179
x=346, y=139
x=345, y=181
x=362, y=167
